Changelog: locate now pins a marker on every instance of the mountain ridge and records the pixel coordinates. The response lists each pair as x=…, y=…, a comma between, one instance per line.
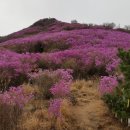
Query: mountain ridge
x=48, y=24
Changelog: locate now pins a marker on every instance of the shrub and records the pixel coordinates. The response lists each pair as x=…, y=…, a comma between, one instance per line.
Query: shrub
x=46, y=79
x=11, y=106
x=38, y=46
x=55, y=108
x=109, y=25
x=14, y=68
x=60, y=114
x=60, y=89
x=44, y=83
x=108, y=84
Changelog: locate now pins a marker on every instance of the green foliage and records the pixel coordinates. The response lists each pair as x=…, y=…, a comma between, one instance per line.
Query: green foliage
x=125, y=65
x=119, y=101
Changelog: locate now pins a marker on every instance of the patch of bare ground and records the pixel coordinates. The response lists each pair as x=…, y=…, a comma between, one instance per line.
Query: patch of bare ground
x=91, y=112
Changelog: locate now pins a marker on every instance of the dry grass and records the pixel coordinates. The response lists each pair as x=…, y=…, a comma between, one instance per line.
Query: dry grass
x=90, y=111
x=44, y=82
x=35, y=115
x=10, y=114
x=39, y=119
x=29, y=89
x=9, y=117
x=80, y=84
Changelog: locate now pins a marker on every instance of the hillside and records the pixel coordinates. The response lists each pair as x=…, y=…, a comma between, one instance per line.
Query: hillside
x=63, y=63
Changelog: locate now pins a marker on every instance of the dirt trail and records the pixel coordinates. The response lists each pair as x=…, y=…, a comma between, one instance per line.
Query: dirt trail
x=91, y=112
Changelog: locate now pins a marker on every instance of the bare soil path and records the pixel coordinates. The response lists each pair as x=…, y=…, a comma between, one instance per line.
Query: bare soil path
x=91, y=112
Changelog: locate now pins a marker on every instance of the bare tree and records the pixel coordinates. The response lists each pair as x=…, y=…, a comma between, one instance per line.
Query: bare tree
x=127, y=27
x=109, y=25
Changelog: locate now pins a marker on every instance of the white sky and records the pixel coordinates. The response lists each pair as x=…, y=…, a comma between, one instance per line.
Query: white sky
x=18, y=14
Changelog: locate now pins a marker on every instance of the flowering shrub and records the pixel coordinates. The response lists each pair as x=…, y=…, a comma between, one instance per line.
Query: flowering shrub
x=107, y=84
x=46, y=79
x=55, y=107
x=11, y=106
x=15, y=97
x=60, y=89
x=14, y=68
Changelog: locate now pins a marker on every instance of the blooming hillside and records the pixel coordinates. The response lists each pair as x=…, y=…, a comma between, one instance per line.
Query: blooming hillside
x=87, y=45
x=50, y=55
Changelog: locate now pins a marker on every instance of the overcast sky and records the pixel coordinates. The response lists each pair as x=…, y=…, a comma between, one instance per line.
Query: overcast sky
x=18, y=14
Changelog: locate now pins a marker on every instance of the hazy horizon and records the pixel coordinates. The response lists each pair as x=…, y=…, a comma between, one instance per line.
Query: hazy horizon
x=19, y=14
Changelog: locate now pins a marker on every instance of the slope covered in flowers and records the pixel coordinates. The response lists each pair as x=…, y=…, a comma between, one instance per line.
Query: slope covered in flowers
x=80, y=47
x=50, y=54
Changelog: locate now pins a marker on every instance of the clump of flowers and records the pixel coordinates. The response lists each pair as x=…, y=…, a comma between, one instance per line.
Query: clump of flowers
x=47, y=79
x=11, y=107
x=14, y=68
x=112, y=66
x=107, y=84
x=55, y=107
x=15, y=96
x=60, y=89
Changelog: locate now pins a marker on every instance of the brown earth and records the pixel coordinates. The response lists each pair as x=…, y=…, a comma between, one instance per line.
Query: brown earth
x=91, y=112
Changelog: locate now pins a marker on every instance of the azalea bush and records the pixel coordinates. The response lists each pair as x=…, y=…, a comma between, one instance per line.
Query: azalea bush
x=12, y=103
x=48, y=79
x=53, y=85
x=108, y=84
x=14, y=68
x=60, y=91
x=55, y=108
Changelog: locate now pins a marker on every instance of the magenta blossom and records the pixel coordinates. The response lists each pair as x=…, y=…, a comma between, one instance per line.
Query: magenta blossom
x=15, y=96
x=60, y=89
x=55, y=107
x=108, y=84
